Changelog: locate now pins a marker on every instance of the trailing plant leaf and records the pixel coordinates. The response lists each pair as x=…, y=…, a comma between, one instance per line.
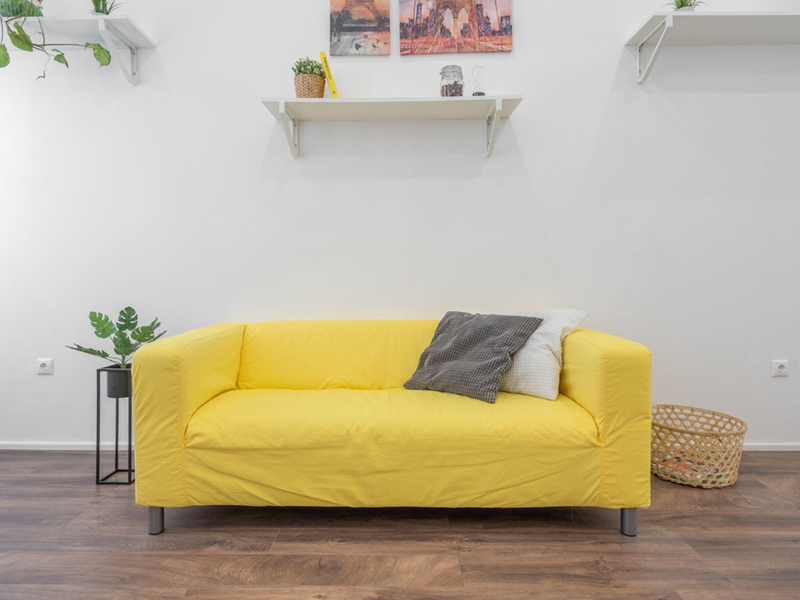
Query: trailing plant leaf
x=103, y=326
x=102, y=55
x=20, y=8
x=5, y=57
x=60, y=58
x=92, y=351
x=20, y=38
x=127, y=319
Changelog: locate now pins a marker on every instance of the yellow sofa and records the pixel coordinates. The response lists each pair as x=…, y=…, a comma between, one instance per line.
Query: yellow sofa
x=315, y=414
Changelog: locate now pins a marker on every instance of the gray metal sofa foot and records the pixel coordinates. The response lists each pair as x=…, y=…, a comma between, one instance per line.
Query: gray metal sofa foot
x=155, y=520
x=628, y=522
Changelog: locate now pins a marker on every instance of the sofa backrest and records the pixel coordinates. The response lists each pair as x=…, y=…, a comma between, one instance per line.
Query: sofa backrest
x=316, y=355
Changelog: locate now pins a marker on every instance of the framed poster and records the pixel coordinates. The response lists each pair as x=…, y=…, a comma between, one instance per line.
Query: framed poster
x=360, y=28
x=455, y=26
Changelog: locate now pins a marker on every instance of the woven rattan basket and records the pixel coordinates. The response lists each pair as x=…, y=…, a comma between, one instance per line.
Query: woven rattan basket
x=696, y=447
x=309, y=86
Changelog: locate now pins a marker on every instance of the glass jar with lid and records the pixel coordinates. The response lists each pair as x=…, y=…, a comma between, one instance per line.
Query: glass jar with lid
x=452, y=84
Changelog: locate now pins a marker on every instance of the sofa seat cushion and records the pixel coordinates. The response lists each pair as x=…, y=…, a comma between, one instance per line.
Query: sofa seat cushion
x=392, y=447
x=298, y=419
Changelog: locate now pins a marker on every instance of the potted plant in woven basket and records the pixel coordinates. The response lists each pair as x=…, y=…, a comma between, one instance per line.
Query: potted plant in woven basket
x=309, y=78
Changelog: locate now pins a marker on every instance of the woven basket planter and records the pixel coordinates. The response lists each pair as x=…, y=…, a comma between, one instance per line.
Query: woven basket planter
x=309, y=86
x=696, y=447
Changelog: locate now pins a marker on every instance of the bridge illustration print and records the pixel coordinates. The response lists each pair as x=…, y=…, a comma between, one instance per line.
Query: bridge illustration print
x=455, y=26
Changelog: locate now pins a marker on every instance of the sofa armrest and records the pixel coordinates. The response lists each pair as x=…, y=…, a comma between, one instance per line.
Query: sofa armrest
x=610, y=377
x=172, y=378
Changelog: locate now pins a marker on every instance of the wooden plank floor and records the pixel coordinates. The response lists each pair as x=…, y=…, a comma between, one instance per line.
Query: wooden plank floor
x=63, y=538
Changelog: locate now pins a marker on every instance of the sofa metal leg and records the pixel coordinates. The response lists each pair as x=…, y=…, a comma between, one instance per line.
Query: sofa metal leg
x=155, y=520
x=628, y=522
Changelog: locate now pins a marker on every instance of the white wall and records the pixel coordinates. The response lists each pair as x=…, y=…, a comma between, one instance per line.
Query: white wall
x=668, y=210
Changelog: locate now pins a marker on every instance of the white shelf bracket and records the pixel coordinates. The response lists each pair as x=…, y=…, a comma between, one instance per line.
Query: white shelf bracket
x=291, y=128
x=109, y=33
x=493, y=126
x=664, y=27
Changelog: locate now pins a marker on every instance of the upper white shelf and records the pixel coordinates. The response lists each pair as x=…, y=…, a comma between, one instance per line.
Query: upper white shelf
x=115, y=33
x=293, y=111
x=670, y=28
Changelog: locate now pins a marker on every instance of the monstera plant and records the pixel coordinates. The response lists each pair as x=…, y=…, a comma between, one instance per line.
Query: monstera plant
x=14, y=16
x=127, y=337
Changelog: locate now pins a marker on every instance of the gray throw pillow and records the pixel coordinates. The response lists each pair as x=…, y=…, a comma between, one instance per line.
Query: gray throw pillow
x=470, y=353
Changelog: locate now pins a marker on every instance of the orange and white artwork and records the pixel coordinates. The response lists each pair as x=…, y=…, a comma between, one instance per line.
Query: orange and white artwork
x=360, y=28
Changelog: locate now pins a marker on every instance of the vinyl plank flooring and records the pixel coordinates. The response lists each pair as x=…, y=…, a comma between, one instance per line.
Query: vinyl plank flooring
x=306, y=518
x=78, y=592
x=738, y=593
x=158, y=570
x=480, y=543
x=777, y=544
x=130, y=539
x=544, y=570
x=535, y=519
x=499, y=592
x=62, y=537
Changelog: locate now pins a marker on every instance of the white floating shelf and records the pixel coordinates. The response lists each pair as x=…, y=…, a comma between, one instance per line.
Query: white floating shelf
x=115, y=33
x=293, y=111
x=687, y=28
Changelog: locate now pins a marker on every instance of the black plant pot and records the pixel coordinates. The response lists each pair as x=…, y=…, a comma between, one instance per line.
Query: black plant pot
x=118, y=382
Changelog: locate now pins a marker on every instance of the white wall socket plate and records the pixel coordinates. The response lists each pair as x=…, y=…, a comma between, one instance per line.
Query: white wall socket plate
x=780, y=368
x=44, y=366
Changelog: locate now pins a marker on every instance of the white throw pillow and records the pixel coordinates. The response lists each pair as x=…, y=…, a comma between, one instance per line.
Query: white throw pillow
x=536, y=368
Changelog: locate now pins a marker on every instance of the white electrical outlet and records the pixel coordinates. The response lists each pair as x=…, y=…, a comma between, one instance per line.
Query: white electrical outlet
x=44, y=366
x=780, y=368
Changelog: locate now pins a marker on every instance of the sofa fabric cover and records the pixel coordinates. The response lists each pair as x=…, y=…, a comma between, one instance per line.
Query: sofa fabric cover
x=314, y=414
x=321, y=355
x=363, y=448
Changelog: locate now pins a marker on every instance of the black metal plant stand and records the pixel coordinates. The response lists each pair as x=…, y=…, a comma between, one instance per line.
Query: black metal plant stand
x=123, y=377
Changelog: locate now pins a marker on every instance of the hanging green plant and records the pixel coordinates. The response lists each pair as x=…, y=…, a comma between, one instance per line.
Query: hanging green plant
x=21, y=8
x=14, y=15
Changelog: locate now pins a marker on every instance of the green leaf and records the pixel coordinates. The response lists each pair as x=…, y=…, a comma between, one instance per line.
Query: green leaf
x=143, y=335
x=146, y=333
x=20, y=38
x=103, y=326
x=127, y=319
x=123, y=344
x=92, y=351
x=5, y=58
x=101, y=54
x=60, y=58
